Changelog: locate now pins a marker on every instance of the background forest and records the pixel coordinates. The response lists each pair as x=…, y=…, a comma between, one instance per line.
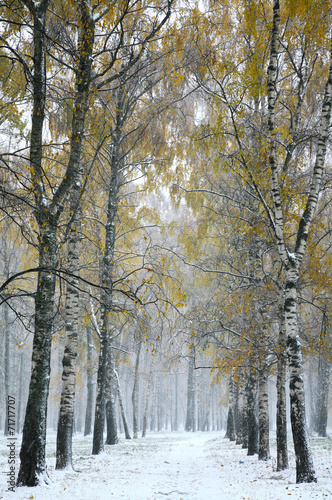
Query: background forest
x=166, y=229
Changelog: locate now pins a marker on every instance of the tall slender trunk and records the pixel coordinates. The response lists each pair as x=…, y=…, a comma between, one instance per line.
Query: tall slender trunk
x=147, y=397
x=305, y=472
x=33, y=466
x=240, y=409
x=134, y=396
x=112, y=430
x=89, y=384
x=230, y=429
x=282, y=450
x=324, y=370
x=107, y=270
x=20, y=393
x=323, y=381
x=190, y=424
x=67, y=401
x=251, y=388
x=264, y=442
x=7, y=363
x=123, y=413
x=176, y=403
x=98, y=429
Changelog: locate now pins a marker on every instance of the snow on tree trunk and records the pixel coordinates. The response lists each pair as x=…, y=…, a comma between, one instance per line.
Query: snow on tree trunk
x=292, y=260
x=304, y=465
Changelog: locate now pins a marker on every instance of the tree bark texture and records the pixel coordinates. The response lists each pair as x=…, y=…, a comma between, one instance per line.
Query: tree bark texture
x=67, y=401
x=134, y=396
x=89, y=384
x=264, y=441
x=123, y=413
x=323, y=383
x=107, y=272
x=230, y=430
x=282, y=448
x=240, y=409
x=251, y=389
x=33, y=466
x=147, y=397
x=112, y=430
x=305, y=472
x=292, y=260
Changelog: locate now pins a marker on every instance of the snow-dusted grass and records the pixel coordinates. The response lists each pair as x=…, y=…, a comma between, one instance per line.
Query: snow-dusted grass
x=188, y=466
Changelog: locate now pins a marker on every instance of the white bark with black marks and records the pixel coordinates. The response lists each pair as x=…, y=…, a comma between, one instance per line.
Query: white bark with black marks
x=292, y=259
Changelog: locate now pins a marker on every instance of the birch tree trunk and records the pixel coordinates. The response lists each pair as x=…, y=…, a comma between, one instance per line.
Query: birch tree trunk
x=7, y=362
x=33, y=466
x=123, y=413
x=190, y=418
x=251, y=388
x=323, y=381
x=134, y=396
x=112, y=431
x=292, y=260
x=240, y=409
x=264, y=428
x=147, y=397
x=67, y=402
x=230, y=430
x=324, y=370
x=113, y=150
x=89, y=385
x=282, y=449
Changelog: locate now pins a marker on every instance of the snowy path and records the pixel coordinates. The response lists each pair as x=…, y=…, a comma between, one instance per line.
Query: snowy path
x=174, y=466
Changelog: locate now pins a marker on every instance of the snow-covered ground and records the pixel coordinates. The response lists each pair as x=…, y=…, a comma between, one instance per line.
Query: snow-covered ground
x=173, y=466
